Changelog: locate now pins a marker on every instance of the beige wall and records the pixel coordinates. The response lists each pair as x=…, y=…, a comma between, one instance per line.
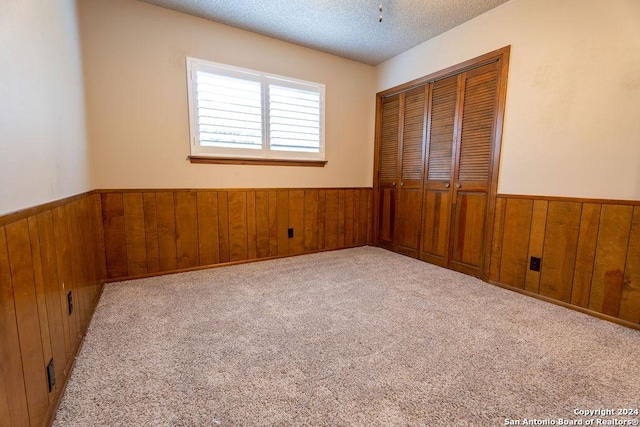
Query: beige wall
x=43, y=148
x=572, y=122
x=134, y=63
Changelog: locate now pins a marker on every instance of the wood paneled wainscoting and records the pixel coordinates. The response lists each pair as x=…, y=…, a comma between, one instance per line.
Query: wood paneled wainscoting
x=46, y=253
x=589, y=252
x=153, y=231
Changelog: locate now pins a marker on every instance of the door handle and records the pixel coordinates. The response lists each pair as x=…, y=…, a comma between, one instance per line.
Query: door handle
x=458, y=185
x=447, y=185
x=393, y=184
x=402, y=184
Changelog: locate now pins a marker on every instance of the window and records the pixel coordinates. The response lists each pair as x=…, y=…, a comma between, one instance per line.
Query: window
x=247, y=114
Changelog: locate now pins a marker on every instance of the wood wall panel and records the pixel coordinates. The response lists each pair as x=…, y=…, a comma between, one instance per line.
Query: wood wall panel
x=263, y=240
x=296, y=222
x=341, y=219
x=630, y=301
x=134, y=225
x=585, y=254
x=208, y=241
x=238, y=226
x=13, y=398
x=252, y=236
x=114, y=234
x=52, y=290
x=364, y=224
x=223, y=226
x=273, y=223
x=331, y=216
x=282, y=221
x=611, y=253
x=590, y=251
x=193, y=228
x=322, y=205
x=45, y=253
x=151, y=232
x=311, y=226
x=165, y=212
x=349, y=214
x=63, y=257
x=536, y=243
x=559, y=252
x=38, y=276
x=497, y=241
x=517, y=221
x=186, y=229
x=26, y=306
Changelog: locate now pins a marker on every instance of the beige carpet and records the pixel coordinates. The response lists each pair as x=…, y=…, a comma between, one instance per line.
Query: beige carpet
x=353, y=337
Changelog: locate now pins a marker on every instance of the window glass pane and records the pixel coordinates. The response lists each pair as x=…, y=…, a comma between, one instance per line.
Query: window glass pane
x=229, y=111
x=294, y=119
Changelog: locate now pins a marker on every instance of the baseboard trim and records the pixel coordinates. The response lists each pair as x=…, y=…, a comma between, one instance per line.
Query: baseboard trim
x=569, y=306
x=221, y=264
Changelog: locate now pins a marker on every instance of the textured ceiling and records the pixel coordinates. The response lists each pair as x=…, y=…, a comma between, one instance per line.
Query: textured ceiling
x=347, y=28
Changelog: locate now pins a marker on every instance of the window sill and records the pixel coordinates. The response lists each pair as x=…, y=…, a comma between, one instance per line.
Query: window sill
x=258, y=162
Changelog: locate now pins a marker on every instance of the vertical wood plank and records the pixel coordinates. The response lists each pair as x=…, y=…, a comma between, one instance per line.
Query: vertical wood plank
x=296, y=221
x=165, y=211
x=262, y=224
x=515, y=242
x=273, y=223
x=585, y=254
x=208, y=241
x=76, y=278
x=223, y=225
x=611, y=252
x=498, y=235
x=13, y=398
x=311, y=220
x=61, y=238
x=101, y=258
x=560, y=246
x=331, y=219
x=26, y=307
x=321, y=218
x=135, y=233
x=348, y=218
x=365, y=216
x=357, y=225
x=536, y=243
x=283, y=222
x=52, y=291
x=252, y=236
x=38, y=276
x=186, y=229
x=151, y=232
x=237, y=225
x=630, y=300
x=114, y=234
x=341, y=218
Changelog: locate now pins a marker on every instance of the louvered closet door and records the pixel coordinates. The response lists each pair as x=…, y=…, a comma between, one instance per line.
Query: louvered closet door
x=409, y=210
x=388, y=170
x=438, y=192
x=473, y=168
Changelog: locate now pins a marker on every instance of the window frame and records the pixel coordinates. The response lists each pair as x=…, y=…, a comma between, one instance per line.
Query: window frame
x=266, y=153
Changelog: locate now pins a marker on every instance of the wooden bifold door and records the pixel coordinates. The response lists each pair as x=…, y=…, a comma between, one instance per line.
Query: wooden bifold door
x=438, y=146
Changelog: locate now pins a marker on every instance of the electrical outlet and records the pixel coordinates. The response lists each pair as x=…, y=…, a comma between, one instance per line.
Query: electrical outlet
x=51, y=375
x=290, y=231
x=534, y=264
x=70, y=302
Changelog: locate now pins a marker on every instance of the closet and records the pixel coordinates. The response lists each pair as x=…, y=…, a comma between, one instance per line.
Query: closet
x=437, y=155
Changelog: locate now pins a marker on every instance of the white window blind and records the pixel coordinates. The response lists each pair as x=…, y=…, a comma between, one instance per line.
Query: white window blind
x=243, y=113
